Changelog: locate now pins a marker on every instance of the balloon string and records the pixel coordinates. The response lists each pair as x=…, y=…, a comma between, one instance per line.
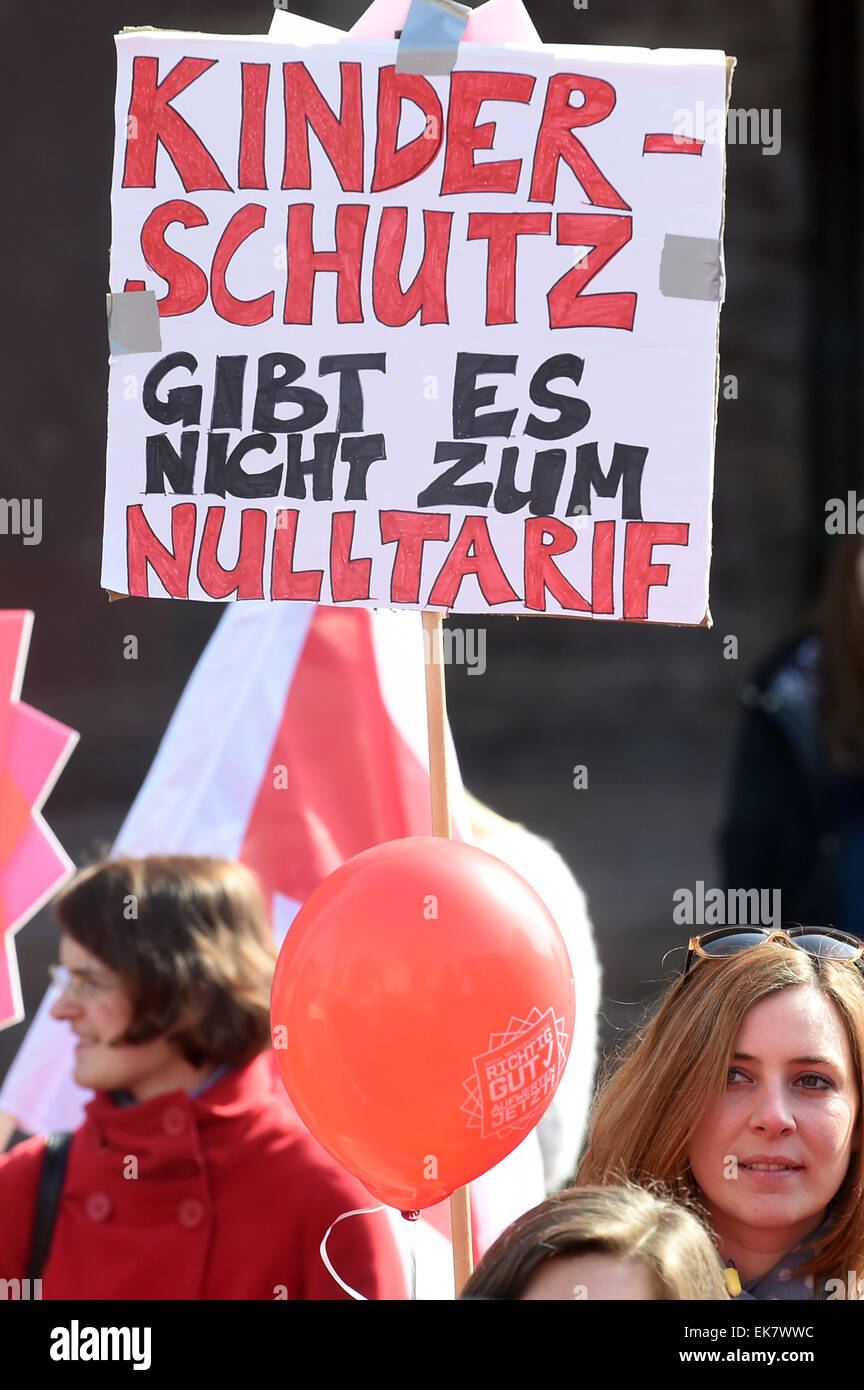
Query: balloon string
x=361, y=1211
x=412, y=1250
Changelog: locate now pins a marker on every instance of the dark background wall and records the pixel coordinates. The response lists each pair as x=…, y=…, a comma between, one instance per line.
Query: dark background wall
x=649, y=711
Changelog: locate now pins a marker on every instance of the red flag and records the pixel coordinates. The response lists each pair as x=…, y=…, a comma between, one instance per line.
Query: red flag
x=299, y=741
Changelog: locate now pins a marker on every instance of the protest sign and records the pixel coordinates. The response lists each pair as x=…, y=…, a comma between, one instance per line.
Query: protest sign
x=440, y=342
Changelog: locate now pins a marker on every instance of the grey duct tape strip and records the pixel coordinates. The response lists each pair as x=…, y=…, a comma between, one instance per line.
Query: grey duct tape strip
x=430, y=38
x=691, y=267
x=133, y=322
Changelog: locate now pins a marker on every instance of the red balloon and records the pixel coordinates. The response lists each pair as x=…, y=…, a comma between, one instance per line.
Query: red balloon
x=422, y=1012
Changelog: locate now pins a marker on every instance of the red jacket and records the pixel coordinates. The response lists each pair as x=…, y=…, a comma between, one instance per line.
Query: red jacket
x=231, y=1200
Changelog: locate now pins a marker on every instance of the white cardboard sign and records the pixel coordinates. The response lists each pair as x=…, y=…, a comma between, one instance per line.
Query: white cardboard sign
x=445, y=342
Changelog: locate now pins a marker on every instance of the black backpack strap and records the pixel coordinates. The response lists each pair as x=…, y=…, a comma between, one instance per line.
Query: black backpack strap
x=47, y=1201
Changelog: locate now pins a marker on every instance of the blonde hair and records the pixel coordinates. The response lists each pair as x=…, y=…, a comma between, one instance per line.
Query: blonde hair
x=675, y=1069
x=624, y=1221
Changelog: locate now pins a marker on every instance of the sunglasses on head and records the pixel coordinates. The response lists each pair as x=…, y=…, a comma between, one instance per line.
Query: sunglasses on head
x=825, y=942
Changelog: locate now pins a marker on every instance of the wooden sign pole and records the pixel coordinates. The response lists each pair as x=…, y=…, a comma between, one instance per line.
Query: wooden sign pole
x=436, y=719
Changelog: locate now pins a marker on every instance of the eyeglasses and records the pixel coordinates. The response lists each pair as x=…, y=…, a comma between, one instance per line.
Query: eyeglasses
x=824, y=942
x=80, y=986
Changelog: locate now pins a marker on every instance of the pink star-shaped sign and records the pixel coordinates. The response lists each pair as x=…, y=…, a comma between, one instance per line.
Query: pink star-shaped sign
x=33, y=750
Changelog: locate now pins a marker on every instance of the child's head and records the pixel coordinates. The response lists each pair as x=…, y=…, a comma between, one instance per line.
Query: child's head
x=617, y=1242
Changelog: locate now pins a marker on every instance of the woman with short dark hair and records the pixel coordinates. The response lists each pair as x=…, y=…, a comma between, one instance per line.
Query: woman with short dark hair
x=192, y=939
x=191, y=1177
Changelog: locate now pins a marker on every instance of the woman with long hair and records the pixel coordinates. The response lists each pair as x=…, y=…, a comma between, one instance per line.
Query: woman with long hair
x=743, y=1096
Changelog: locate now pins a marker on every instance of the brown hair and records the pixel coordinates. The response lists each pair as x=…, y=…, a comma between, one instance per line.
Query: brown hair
x=187, y=935
x=625, y=1221
x=674, y=1070
x=841, y=623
